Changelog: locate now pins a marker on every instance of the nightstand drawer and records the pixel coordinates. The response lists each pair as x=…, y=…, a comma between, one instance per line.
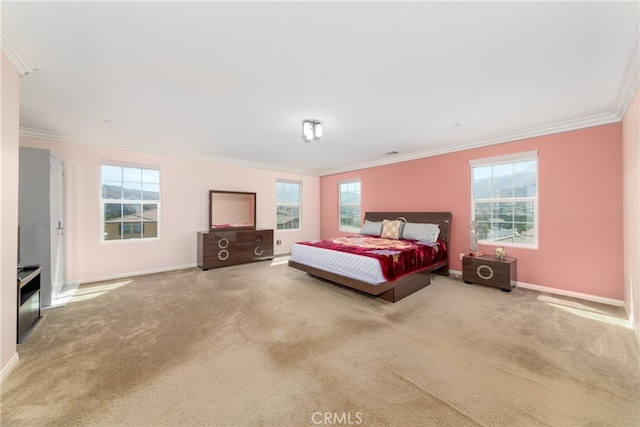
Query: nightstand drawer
x=490, y=271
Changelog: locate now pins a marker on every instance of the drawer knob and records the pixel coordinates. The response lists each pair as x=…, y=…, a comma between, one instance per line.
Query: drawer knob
x=223, y=243
x=488, y=275
x=223, y=255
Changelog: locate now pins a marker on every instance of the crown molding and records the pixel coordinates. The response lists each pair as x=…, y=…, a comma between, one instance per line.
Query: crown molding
x=628, y=89
x=15, y=48
x=630, y=79
x=569, y=125
x=130, y=146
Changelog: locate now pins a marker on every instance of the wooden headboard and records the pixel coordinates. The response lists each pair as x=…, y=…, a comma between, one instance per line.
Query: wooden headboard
x=443, y=219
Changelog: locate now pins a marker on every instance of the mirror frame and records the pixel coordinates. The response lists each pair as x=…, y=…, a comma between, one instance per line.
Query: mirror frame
x=212, y=193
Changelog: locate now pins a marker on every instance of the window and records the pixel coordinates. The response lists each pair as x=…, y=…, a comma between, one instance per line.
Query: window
x=288, y=205
x=130, y=202
x=349, y=194
x=505, y=200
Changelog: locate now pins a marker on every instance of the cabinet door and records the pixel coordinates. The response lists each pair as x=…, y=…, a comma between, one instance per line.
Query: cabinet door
x=221, y=248
x=28, y=315
x=257, y=245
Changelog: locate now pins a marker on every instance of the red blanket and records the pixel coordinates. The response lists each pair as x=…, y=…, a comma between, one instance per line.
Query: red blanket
x=397, y=257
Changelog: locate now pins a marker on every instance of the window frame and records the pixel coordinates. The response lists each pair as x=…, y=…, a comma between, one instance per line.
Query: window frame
x=356, y=228
x=142, y=201
x=299, y=204
x=506, y=160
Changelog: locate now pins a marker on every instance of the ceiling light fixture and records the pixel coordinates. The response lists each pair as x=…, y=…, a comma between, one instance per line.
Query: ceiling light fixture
x=311, y=129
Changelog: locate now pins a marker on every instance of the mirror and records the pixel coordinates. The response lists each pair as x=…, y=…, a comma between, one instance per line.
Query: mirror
x=232, y=210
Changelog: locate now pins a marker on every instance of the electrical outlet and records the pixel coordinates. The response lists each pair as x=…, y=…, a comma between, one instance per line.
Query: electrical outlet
x=461, y=255
x=157, y=253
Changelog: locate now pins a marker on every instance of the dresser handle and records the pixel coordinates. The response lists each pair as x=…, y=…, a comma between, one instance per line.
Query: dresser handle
x=223, y=243
x=488, y=276
x=223, y=255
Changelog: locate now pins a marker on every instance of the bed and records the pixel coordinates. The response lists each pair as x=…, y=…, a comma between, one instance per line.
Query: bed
x=367, y=274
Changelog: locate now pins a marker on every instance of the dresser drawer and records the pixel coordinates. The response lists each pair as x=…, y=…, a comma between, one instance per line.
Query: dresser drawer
x=220, y=239
x=490, y=271
x=222, y=257
x=258, y=245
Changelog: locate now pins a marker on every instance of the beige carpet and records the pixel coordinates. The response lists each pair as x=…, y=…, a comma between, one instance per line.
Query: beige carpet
x=263, y=344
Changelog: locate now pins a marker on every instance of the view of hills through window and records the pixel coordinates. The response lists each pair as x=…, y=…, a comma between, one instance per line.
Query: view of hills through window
x=505, y=202
x=349, y=206
x=130, y=201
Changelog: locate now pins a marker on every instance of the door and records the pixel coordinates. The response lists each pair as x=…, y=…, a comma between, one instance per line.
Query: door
x=56, y=197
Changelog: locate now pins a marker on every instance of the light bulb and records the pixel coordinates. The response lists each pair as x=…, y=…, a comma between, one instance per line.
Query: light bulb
x=307, y=131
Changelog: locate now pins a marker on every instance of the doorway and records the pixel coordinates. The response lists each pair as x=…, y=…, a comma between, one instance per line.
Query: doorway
x=56, y=180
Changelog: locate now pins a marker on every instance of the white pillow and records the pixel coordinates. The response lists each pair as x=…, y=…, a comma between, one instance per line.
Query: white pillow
x=371, y=228
x=422, y=232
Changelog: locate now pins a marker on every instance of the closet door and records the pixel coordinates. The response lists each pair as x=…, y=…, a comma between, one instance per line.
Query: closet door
x=56, y=181
x=34, y=215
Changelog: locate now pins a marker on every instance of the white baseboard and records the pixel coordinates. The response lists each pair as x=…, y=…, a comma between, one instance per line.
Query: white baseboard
x=579, y=295
x=7, y=369
x=134, y=273
x=456, y=274
x=556, y=291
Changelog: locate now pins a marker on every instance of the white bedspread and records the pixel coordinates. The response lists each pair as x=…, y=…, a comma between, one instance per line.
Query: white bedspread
x=354, y=266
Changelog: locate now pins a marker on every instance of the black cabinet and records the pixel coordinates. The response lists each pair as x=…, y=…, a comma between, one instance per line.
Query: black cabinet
x=28, y=302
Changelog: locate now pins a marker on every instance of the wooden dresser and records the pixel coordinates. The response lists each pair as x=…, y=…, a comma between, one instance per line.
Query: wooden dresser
x=221, y=248
x=490, y=271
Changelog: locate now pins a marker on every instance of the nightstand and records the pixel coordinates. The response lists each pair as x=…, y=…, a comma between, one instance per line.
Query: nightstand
x=490, y=271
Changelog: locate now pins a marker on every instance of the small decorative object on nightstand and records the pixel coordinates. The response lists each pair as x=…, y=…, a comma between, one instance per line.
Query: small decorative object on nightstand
x=500, y=253
x=490, y=271
x=473, y=240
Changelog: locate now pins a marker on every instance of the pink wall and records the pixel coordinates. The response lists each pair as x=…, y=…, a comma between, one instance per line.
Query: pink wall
x=631, y=222
x=9, y=119
x=184, y=209
x=580, y=205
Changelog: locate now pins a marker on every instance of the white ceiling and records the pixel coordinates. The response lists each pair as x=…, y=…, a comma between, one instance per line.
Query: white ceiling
x=232, y=81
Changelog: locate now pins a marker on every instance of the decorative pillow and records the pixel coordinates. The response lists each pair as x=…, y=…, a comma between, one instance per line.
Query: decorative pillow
x=371, y=228
x=422, y=232
x=391, y=229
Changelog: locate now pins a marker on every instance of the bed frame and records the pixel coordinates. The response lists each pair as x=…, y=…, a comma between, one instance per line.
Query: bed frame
x=394, y=291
